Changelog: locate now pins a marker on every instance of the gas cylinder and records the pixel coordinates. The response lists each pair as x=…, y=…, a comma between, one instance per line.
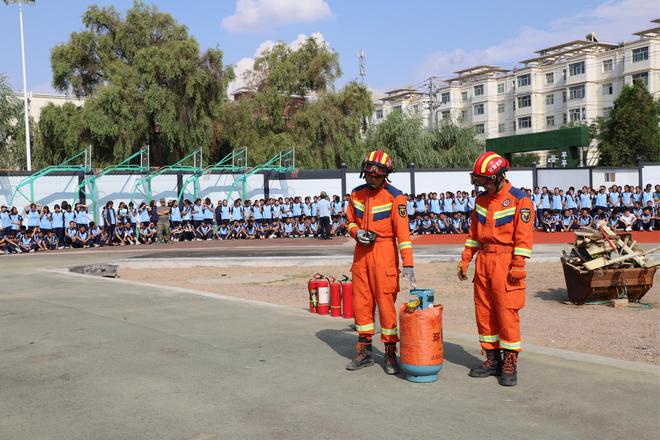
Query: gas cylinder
x=347, y=298
x=335, y=298
x=420, y=324
x=317, y=282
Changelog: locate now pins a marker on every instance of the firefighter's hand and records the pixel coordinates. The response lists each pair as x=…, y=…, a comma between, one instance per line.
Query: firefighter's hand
x=517, y=270
x=363, y=237
x=461, y=270
x=409, y=274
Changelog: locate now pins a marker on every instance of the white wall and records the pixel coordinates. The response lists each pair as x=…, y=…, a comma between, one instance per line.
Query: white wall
x=400, y=180
x=442, y=181
x=48, y=190
x=651, y=174
x=304, y=187
x=562, y=179
x=621, y=177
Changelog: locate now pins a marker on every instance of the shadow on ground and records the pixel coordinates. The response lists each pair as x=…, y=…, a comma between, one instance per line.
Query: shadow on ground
x=557, y=295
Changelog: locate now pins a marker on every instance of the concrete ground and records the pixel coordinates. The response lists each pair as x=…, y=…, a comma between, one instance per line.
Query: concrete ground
x=88, y=358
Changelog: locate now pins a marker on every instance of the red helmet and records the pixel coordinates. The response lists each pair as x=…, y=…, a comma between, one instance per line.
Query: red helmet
x=377, y=162
x=489, y=167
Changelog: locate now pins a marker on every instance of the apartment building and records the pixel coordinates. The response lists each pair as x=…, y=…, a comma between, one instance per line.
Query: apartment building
x=576, y=81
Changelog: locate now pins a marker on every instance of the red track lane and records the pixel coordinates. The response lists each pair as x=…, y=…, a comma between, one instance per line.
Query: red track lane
x=539, y=238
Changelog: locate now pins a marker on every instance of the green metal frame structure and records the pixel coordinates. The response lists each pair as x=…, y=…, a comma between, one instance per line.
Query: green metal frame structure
x=283, y=162
x=234, y=162
x=143, y=185
x=66, y=166
x=88, y=186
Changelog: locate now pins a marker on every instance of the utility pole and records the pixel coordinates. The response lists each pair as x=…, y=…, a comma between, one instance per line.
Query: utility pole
x=362, y=55
x=431, y=105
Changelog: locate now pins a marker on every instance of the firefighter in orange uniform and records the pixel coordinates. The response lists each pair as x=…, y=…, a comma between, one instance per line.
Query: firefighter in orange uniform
x=378, y=221
x=501, y=236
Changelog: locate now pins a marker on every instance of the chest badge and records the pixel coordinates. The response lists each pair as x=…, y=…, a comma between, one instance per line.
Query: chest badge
x=525, y=215
x=402, y=210
x=506, y=203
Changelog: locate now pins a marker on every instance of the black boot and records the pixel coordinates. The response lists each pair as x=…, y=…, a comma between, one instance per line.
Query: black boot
x=391, y=365
x=492, y=366
x=509, y=377
x=364, y=356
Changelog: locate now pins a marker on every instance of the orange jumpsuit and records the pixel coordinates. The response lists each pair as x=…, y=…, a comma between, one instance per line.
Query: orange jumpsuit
x=501, y=229
x=376, y=267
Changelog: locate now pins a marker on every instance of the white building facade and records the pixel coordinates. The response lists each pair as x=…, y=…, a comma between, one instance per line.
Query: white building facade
x=574, y=82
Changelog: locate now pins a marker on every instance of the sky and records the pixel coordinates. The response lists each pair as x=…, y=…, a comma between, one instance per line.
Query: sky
x=405, y=41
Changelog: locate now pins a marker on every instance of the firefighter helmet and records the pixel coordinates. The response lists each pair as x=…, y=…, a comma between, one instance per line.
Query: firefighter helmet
x=377, y=162
x=489, y=167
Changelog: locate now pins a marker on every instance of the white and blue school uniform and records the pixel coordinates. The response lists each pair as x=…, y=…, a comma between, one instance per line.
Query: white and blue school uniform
x=626, y=198
x=434, y=206
x=129, y=232
x=570, y=202
x=257, y=214
x=225, y=212
x=412, y=224
x=585, y=201
x=71, y=233
x=208, y=213
x=57, y=220
x=307, y=209
x=613, y=220
x=637, y=197
x=296, y=209
x=27, y=241
x=51, y=242
x=448, y=205
x=420, y=206
x=69, y=216
x=223, y=231
x=175, y=215
x=109, y=217
x=15, y=220
x=185, y=214
x=313, y=227
x=32, y=220
x=545, y=201
x=315, y=209
x=251, y=229
x=5, y=222
x=237, y=214
x=614, y=199
x=267, y=212
x=82, y=218
x=427, y=225
x=410, y=208
x=204, y=230
x=647, y=197
x=647, y=220
x=472, y=201
x=83, y=235
x=336, y=208
x=601, y=201
x=247, y=212
x=459, y=204
x=566, y=221
x=637, y=212
x=46, y=222
x=442, y=226
x=237, y=229
x=144, y=216
x=122, y=215
x=197, y=213
x=556, y=202
x=585, y=221
x=300, y=228
x=277, y=212
x=457, y=223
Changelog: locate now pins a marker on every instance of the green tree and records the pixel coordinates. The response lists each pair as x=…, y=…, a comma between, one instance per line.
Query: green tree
x=62, y=133
x=11, y=114
x=631, y=132
x=145, y=82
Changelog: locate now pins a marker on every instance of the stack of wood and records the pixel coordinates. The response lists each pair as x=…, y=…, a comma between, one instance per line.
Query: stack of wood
x=600, y=247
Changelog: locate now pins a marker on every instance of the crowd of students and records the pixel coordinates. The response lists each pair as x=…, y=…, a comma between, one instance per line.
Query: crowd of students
x=38, y=228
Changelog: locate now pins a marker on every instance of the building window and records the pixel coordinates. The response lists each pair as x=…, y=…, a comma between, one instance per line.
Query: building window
x=525, y=101
x=479, y=128
x=445, y=115
x=576, y=92
x=478, y=90
x=642, y=77
x=563, y=96
x=445, y=97
x=576, y=68
x=463, y=96
x=575, y=114
x=549, y=121
x=607, y=65
x=478, y=109
x=525, y=122
x=524, y=80
x=379, y=114
x=608, y=89
x=514, y=125
x=550, y=99
x=564, y=118
x=463, y=114
x=607, y=111
x=396, y=108
x=500, y=107
x=500, y=128
x=550, y=78
x=563, y=74
x=610, y=177
x=500, y=88
x=416, y=108
x=640, y=54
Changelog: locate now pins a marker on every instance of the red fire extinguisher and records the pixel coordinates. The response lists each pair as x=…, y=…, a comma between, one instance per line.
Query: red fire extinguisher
x=347, y=297
x=335, y=298
x=319, y=292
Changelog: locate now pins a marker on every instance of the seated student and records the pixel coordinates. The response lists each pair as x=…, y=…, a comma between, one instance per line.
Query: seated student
x=548, y=222
x=627, y=220
x=299, y=229
x=39, y=239
x=204, y=231
x=147, y=234
x=3, y=244
x=637, y=210
x=95, y=233
x=11, y=243
x=275, y=229
x=83, y=237
x=25, y=242
x=613, y=220
x=120, y=235
x=413, y=225
x=70, y=234
x=556, y=217
x=567, y=221
x=251, y=230
x=223, y=231
x=338, y=227
x=313, y=227
x=646, y=220
x=104, y=238
x=188, y=233
x=585, y=220
x=426, y=225
x=456, y=224
x=51, y=241
x=129, y=235
x=441, y=224
x=236, y=232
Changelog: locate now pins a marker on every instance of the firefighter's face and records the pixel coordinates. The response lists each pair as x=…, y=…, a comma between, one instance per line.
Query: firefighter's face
x=374, y=180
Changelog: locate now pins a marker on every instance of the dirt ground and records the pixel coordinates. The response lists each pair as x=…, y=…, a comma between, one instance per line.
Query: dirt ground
x=627, y=333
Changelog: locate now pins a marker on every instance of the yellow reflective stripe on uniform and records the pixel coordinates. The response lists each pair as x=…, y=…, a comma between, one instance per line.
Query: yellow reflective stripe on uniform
x=381, y=208
x=489, y=338
x=472, y=243
x=510, y=345
x=364, y=328
x=484, y=164
x=523, y=252
x=388, y=331
x=481, y=210
x=352, y=225
x=504, y=213
x=358, y=205
x=405, y=245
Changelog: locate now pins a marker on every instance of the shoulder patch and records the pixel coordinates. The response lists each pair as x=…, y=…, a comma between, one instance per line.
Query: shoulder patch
x=517, y=193
x=358, y=188
x=392, y=190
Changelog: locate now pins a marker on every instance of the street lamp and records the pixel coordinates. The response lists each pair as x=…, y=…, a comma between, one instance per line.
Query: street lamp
x=25, y=98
